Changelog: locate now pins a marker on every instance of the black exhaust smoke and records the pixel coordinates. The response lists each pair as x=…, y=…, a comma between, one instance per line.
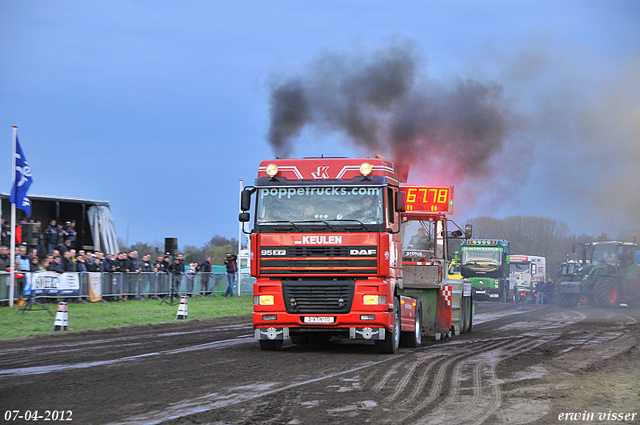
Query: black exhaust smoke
x=381, y=101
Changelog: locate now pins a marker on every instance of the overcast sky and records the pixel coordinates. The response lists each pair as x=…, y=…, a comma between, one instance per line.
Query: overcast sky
x=161, y=107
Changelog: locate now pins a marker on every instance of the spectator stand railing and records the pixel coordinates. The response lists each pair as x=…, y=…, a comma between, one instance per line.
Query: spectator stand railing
x=119, y=286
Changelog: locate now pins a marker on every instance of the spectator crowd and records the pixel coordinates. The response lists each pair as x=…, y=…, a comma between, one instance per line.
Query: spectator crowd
x=54, y=249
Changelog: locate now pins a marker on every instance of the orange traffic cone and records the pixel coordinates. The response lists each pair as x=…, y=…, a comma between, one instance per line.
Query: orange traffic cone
x=182, y=309
x=61, y=323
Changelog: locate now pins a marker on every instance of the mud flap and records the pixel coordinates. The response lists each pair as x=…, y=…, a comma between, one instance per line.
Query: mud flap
x=370, y=334
x=272, y=334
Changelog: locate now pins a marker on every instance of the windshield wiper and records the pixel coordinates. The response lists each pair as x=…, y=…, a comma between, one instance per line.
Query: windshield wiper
x=357, y=221
x=284, y=222
x=319, y=221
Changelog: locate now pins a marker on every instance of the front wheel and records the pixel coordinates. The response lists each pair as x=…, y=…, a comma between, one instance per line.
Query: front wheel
x=391, y=340
x=567, y=300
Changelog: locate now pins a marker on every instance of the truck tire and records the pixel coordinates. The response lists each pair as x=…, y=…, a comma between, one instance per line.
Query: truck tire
x=413, y=339
x=463, y=314
x=391, y=340
x=470, y=325
x=467, y=315
x=606, y=292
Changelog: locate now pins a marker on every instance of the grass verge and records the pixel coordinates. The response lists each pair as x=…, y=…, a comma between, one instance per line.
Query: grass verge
x=18, y=324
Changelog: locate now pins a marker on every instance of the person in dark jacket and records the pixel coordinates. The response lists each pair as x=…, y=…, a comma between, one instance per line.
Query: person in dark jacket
x=232, y=269
x=51, y=237
x=81, y=265
x=157, y=266
x=68, y=264
x=121, y=264
x=35, y=266
x=5, y=237
x=60, y=246
x=93, y=264
x=177, y=270
x=540, y=288
x=56, y=265
x=133, y=260
x=4, y=258
x=205, y=277
x=165, y=267
x=70, y=234
x=146, y=265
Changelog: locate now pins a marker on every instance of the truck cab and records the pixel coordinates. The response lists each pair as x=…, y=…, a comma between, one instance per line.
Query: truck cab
x=486, y=263
x=326, y=251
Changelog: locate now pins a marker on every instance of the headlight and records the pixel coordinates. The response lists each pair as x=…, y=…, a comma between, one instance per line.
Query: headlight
x=374, y=299
x=272, y=170
x=263, y=300
x=366, y=168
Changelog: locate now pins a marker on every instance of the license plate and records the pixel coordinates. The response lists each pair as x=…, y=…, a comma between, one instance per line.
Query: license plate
x=312, y=319
x=494, y=295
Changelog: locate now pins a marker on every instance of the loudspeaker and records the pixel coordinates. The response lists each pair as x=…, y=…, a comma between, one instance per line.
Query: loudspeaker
x=171, y=246
x=27, y=233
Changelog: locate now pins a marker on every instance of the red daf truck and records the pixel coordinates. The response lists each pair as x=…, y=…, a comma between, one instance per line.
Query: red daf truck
x=327, y=255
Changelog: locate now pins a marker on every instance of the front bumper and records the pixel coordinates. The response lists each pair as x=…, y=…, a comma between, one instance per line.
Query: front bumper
x=362, y=333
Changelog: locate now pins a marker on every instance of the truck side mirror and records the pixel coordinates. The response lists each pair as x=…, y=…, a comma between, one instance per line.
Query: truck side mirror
x=468, y=231
x=245, y=201
x=243, y=217
x=401, y=198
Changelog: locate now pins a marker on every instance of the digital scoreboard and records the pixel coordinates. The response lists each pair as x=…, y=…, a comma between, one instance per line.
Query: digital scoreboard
x=429, y=199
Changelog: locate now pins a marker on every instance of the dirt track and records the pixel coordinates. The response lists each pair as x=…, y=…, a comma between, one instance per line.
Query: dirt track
x=521, y=364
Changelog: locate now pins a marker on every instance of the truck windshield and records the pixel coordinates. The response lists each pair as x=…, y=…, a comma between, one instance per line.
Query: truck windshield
x=487, y=257
x=519, y=267
x=313, y=204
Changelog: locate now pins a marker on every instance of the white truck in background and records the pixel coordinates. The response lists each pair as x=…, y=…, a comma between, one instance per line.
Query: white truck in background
x=526, y=271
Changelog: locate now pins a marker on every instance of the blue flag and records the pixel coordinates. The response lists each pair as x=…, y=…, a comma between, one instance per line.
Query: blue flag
x=22, y=182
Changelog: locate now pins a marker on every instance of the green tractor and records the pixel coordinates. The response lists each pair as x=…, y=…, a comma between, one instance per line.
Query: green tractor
x=608, y=275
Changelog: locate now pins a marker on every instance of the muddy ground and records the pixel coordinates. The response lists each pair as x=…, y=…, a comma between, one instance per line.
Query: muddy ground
x=521, y=364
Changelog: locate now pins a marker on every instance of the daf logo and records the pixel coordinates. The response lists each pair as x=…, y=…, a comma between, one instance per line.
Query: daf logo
x=367, y=252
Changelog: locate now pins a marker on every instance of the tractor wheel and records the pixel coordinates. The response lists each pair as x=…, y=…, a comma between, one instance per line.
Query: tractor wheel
x=606, y=292
x=567, y=300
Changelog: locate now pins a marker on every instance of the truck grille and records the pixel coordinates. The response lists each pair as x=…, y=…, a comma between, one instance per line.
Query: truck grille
x=319, y=260
x=318, y=297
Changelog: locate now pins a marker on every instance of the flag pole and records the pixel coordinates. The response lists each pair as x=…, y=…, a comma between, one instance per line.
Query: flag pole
x=12, y=255
x=239, y=238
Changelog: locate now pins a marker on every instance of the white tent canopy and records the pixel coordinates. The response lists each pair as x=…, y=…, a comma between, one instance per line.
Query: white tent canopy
x=103, y=229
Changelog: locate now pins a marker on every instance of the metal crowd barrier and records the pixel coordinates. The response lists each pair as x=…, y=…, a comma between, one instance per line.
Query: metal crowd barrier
x=117, y=286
